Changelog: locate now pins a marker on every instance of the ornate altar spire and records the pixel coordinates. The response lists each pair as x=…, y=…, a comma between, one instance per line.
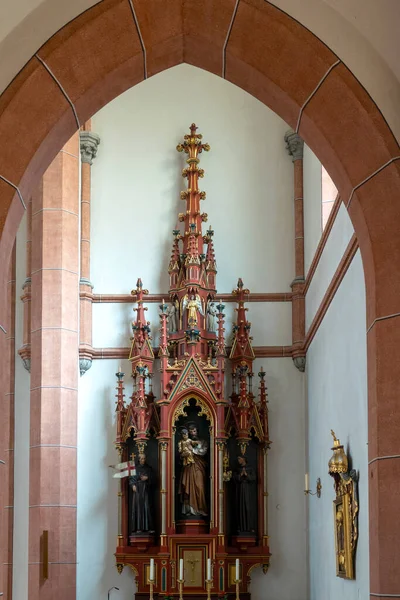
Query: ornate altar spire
x=211, y=265
x=263, y=407
x=120, y=407
x=192, y=415
x=141, y=355
x=193, y=253
x=163, y=349
x=141, y=350
x=242, y=352
x=191, y=320
x=175, y=262
x=242, y=357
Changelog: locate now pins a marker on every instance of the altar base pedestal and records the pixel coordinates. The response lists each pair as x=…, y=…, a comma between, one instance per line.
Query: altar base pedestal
x=141, y=541
x=192, y=527
x=244, y=542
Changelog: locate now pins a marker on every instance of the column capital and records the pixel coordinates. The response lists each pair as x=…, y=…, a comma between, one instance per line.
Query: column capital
x=89, y=143
x=294, y=145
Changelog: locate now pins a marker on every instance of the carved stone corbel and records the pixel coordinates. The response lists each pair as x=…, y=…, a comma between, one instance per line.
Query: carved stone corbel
x=294, y=145
x=300, y=363
x=89, y=143
x=84, y=365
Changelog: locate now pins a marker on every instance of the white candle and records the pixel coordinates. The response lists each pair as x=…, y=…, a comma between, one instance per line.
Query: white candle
x=237, y=569
x=306, y=488
x=181, y=569
x=209, y=569
x=152, y=569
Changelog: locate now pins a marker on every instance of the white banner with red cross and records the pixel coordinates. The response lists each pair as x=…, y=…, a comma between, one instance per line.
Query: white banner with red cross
x=125, y=469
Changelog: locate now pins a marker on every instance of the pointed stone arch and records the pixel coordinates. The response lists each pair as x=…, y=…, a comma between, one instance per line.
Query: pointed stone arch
x=117, y=43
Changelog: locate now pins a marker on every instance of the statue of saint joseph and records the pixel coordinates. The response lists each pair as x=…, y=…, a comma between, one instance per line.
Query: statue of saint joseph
x=192, y=483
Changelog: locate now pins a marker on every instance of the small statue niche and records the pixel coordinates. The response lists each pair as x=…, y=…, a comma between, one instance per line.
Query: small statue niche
x=143, y=504
x=242, y=509
x=192, y=467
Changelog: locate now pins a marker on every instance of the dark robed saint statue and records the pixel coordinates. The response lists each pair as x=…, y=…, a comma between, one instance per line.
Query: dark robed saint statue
x=192, y=483
x=244, y=478
x=141, y=485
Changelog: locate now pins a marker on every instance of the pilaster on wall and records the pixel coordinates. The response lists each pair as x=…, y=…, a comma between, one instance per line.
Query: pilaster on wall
x=295, y=147
x=7, y=441
x=89, y=143
x=25, y=350
x=54, y=377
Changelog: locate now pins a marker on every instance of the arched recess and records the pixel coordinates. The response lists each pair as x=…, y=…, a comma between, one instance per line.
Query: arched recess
x=117, y=43
x=181, y=402
x=178, y=408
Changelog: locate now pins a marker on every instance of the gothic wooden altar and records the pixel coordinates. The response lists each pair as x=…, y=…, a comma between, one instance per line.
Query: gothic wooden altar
x=196, y=454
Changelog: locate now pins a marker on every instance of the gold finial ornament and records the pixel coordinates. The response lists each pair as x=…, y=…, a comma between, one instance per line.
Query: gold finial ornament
x=192, y=144
x=338, y=462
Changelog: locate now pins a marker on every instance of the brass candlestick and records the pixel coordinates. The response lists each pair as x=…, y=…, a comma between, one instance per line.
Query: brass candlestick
x=237, y=583
x=151, y=584
x=180, y=586
x=209, y=583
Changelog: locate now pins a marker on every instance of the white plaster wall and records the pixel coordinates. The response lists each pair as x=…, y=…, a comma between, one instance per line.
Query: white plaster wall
x=312, y=205
x=22, y=434
x=97, y=518
x=135, y=200
x=337, y=399
x=287, y=575
x=332, y=254
x=136, y=182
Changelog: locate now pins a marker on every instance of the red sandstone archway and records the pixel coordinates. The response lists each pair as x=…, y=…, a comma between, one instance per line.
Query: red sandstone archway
x=114, y=45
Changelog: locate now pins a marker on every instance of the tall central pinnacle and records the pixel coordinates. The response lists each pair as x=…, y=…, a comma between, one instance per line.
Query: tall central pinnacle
x=192, y=317
x=192, y=252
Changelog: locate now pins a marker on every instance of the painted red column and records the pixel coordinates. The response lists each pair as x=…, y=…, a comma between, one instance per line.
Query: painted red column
x=294, y=146
x=89, y=143
x=54, y=377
